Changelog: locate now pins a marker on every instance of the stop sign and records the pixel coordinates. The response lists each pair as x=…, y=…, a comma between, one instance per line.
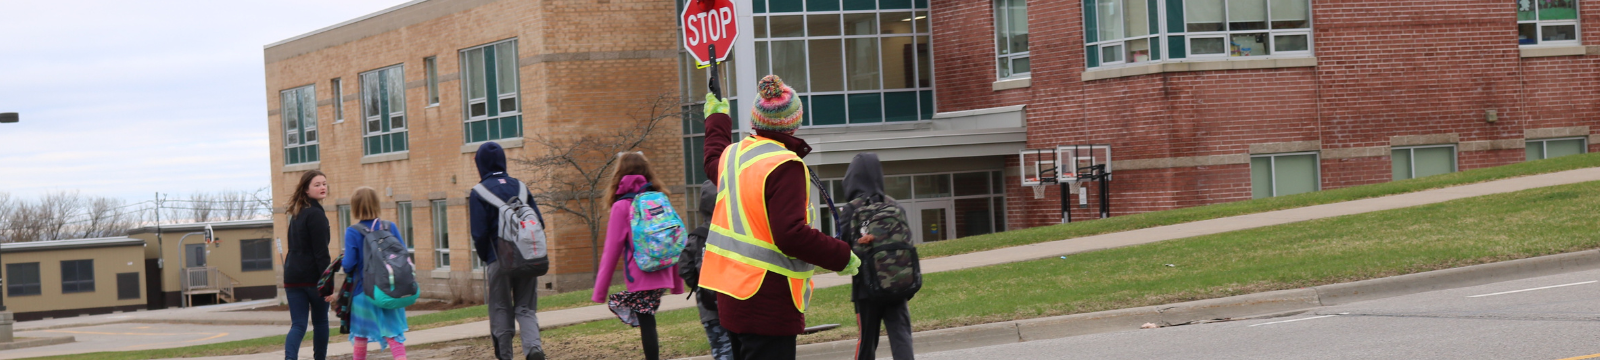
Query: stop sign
x=709, y=22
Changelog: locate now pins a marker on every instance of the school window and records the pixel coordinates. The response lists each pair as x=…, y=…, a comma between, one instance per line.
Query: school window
x=491, y=91
x=255, y=255
x=344, y=220
x=1284, y=174
x=127, y=286
x=940, y=206
x=23, y=279
x=1011, y=37
x=1420, y=161
x=441, y=235
x=1549, y=148
x=431, y=66
x=77, y=276
x=1118, y=32
x=1547, y=22
x=338, y=100
x=402, y=220
x=298, y=110
x=849, y=61
x=383, y=107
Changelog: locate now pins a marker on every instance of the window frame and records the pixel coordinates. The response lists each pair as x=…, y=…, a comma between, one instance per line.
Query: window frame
x=1162, y=39
x=121, y=285
x=997, y=210
x=301, y=145
x=440, y=211
x=430, y=67
x=395, y=137
x=75, y=286
x=1316, y=159
x=344, y=219
x=402, y=220
x=1411, y=153
x=1006, y=55
x=493, y=114
x=34, y=288
x=1544, y=145
x=248, y=264
x=338, y=99
x=1539, y=25
x=763, y=44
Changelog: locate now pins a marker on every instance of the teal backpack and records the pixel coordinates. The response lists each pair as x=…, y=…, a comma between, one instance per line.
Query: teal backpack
x=387, y=274
x=658, y=233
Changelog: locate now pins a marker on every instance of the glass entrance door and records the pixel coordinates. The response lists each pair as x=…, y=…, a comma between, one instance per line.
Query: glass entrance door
x=932, y=221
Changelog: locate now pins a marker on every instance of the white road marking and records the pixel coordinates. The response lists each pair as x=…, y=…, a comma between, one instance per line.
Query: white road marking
x=1537, y=288
x=1287, y=321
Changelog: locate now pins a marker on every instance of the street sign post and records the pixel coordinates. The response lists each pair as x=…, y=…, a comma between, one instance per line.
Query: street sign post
x=708, y=22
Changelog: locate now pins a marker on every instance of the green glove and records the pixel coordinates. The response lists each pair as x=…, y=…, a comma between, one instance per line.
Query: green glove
x=854, y=267
x=714, y=106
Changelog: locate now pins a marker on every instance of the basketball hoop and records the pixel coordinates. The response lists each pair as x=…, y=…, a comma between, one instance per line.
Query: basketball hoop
x=1038, y=192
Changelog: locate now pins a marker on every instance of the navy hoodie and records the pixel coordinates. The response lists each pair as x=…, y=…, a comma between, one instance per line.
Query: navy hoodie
x=491, y=160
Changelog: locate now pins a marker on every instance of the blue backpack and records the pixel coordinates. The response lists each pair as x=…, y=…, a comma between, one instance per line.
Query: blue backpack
x=658, y=233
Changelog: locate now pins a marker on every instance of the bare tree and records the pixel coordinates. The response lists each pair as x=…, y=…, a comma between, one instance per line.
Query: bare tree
x=103, y=218
x=27, y=223
x=570, y=172
x=7, y=207
x=57, y=208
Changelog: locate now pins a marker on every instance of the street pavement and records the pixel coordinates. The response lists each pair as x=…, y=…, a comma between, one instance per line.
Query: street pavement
x=1550, y=317
x=138, y=336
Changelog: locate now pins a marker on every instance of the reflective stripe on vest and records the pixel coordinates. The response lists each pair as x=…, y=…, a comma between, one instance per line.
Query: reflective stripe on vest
x=740, y=248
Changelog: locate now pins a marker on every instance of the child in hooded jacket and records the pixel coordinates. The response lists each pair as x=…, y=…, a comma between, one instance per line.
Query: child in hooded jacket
x=636, y=306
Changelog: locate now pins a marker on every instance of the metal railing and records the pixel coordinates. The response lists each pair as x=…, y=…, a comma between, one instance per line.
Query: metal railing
x=206, y=280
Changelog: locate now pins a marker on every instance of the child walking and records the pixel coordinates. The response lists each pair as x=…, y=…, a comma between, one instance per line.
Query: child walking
x=873, y=221
x=368, y=322
x=636, y=306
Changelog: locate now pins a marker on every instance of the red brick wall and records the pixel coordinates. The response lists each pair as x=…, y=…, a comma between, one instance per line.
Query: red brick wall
x=1384, y=69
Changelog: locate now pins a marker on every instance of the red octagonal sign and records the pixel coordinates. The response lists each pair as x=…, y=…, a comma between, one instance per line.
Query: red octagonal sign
x=709, y=22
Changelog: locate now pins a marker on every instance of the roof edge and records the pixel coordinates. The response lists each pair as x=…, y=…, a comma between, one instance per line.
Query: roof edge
x=342, y=24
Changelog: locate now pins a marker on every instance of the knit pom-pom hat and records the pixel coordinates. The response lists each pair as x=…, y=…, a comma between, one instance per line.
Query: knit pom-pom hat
x=778, y=109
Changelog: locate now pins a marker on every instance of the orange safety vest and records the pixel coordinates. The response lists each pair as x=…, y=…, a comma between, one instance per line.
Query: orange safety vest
x=739, y=248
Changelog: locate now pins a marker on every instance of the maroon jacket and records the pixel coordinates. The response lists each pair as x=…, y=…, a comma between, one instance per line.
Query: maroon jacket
x=771, y=311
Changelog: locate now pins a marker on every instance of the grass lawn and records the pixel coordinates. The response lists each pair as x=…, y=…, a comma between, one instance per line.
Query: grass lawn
x=1451, y=234
x=1178, y=216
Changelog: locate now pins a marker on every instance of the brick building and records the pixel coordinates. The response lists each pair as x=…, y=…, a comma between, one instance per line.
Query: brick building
x=399, y=100
x=1203, y=101
x=1210, y=101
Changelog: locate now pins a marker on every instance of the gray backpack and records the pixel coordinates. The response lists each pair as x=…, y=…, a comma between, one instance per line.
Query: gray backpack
x=521, y=250
x=387, y=274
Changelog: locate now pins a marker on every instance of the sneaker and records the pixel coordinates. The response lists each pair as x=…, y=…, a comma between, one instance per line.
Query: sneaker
x=537, y=354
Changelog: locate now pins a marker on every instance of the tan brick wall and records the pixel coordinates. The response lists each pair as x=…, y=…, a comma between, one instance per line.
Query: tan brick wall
x=584, y=67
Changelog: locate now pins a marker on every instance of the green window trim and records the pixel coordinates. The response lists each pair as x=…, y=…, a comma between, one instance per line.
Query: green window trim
x=298, y=114
x=491, y=92
x=384, y=111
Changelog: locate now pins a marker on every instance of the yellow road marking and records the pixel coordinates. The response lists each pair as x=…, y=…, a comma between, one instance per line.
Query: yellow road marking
x=177, y=342
x=1590, y=356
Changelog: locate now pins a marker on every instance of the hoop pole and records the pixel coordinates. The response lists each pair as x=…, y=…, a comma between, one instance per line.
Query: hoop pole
x=1105, y=195
x=1066, y=204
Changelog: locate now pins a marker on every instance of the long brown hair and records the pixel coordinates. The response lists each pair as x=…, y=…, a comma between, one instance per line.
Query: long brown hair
x=631, y=163
x=299, y=200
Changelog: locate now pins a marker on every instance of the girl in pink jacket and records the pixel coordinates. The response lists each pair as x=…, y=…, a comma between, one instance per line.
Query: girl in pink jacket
x=636, y=306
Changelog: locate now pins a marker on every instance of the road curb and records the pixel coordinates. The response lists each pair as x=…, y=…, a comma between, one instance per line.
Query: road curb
x=23, y=343
x=1234, y=307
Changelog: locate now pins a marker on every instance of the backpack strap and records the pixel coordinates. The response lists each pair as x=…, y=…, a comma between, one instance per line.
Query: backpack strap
x=483, y=192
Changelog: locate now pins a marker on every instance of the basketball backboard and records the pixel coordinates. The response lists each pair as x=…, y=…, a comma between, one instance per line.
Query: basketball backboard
x=1038, y=167
x=1082, y=160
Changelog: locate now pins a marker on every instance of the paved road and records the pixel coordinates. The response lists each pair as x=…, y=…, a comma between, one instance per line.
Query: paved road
x=1552, y=317
x=137, y=336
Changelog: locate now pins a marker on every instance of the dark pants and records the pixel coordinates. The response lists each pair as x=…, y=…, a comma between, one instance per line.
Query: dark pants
x=894, y=316
x=648, y=337
x=762, y=347
x=305, y=301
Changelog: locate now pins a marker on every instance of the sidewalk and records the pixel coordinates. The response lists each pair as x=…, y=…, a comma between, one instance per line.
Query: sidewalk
x=1052, y=249
x=223, y=314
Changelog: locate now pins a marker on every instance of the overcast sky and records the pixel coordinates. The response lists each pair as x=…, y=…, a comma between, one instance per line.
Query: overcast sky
x=127, y=98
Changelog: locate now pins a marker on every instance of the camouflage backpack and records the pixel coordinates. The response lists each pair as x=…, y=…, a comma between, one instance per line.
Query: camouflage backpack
x=889, y=264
